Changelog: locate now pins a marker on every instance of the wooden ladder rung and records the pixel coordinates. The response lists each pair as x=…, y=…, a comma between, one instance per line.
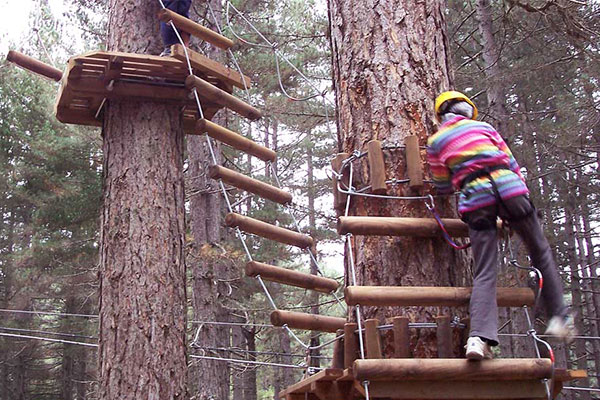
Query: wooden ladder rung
x=195, y=29
x=33, y=65
x=425, y=296
x=221, y=97
x=235, y=140
x=452, y=369
x=210, y=67
x=268, y=231
x=311, y=322
x=292, y=278
x=400, y=226
x=248, y=184
x=528, y=389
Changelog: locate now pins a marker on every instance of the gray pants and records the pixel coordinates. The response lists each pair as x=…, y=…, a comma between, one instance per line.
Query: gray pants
x=484, y=242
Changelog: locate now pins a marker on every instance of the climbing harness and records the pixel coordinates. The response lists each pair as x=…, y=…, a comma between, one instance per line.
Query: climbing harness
x=431, y=207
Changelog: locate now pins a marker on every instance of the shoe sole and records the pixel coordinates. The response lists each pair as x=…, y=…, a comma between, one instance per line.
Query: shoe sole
x=475, y=356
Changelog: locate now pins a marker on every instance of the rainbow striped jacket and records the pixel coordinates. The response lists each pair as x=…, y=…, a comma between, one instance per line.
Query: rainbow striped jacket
x=463, y=146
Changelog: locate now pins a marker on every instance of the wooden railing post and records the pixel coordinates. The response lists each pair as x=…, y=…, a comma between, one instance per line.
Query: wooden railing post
x=376, y=167
x=414, y=165
x=444, y=337
x=401, y=337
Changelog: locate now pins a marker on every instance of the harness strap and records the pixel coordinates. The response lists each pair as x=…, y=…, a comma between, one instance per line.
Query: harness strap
x=487, y=173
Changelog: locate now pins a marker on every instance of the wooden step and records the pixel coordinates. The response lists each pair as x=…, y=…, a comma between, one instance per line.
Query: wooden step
x=304, y=386
x=311, y=322
x=33, y=65
x=235, y=140
x=221, y=97
x=248, y=184
x=424, y=296
x=398, y=226
x=459, y=390
x=292, y=278
x=210, y=67
x=452, y=369
x=195, y=29
x=268, y=231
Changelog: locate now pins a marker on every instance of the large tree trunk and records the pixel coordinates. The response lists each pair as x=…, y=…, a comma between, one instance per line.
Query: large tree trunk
x=390, y=60
x=142, y=352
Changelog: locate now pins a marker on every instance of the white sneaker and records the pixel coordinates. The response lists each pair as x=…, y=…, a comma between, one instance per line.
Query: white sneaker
x=562, y=327
x=477, y=349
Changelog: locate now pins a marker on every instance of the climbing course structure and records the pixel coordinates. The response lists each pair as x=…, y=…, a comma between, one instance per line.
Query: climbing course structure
x=360, y=367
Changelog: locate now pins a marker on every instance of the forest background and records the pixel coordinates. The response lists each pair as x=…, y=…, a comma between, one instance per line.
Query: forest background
x=531, y=66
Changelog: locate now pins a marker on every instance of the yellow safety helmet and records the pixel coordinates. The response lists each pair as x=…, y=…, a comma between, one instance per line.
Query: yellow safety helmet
x=452, y=95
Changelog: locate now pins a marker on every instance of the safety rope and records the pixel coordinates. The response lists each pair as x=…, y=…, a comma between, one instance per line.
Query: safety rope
x=431, y=207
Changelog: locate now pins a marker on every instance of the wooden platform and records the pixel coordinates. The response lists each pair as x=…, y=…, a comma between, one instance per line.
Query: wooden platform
x=91, y=78
x=339, y=384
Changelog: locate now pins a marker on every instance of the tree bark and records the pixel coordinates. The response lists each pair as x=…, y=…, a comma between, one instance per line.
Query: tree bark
x=250, y=392
x=390, y=60
x=142, y=343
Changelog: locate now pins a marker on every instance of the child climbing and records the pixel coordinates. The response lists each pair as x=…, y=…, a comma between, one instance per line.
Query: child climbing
x=167, y=33
x=471, y=156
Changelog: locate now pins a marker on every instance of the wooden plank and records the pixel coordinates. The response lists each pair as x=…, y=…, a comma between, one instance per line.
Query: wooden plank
x=398, y=296
x=221, y=97
x=376, y=167
x=372, y=339
x=268, y=231
x=327, y=375
x=289, y=277
x=350, y=344
x=249, y=184
x=414, y=165
x=113, y=70
x=330, y=390
x=211, y=67
x=195, y=29
x=569, y=374
x=311, y=322
x=400, y=226
x=33, y=65
x=450, y=390
x=452, y=369
x=444, y=337
x=338, y=351
x=401, y=337
x=339, y=199
x=235, y=140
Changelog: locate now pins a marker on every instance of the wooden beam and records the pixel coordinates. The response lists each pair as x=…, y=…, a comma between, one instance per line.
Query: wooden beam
x=376, y=167
x=338, y=351
x=311, y=322
x=398, y=296
x=33, y=65
x=290, y=277
x=211, y=67
x=414, y=165
x=339, y=199
x=444, y=337
x=372, y=339
x=569, y=374
x=249, y=184
x=235, y=140
x=401, y=337
x=350, y=344
x=194, y=29
x=263, y=229
x=459, y=390
x=398, y=226
x=452, y=369
x=221, y=97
